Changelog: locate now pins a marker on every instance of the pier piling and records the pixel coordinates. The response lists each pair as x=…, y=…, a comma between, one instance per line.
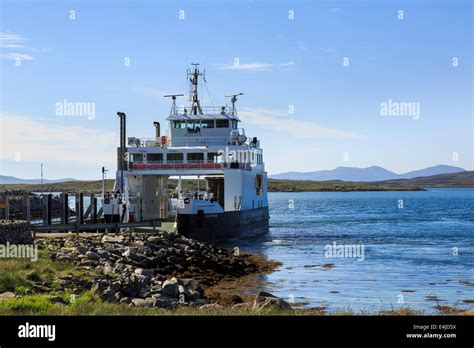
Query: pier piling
x=93, y=208
x=27, y=207
x=79, y=209
x=46, y=204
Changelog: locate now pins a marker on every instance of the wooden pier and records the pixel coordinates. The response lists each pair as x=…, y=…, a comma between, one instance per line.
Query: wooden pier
x=65, y=219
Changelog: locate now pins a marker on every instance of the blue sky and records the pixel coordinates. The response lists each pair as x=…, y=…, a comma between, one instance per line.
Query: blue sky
x=284, y=63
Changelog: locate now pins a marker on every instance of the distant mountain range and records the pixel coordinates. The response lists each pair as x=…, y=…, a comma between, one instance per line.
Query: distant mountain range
x=373, y=173
x=13, y=180
x=353, y=174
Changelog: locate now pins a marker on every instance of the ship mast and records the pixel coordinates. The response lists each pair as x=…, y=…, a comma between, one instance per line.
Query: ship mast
x=193, y=95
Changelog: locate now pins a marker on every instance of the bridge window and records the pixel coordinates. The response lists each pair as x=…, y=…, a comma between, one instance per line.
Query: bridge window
x=195, y=157
x=174, y=157
x=136, y=157
x=179, y=124
x=222, y=123
x=207, y=123
x=234, y=124
x=214, y=157
x=154, y=157
x=193, y=127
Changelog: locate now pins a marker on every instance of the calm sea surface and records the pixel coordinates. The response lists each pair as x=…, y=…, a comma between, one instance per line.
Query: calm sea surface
x=419, y=255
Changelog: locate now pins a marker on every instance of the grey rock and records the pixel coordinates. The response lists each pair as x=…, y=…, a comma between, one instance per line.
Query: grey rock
x=265, y=300
x=192, y=284
x=155, y=289
x=184, y=292
x=132, y=255
x=170, y=287
x=165, y=302
x=194, y=295
x=144, y=272
x=111, y=239
x=108, y=267
x=82, y=249
x=129, y=290
x=5, y=296
x=199, y=302
x=92, y=256
x=140, y=302
x=103, y=254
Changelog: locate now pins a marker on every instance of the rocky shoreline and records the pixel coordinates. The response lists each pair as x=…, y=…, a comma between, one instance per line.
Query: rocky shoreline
x=164, y=270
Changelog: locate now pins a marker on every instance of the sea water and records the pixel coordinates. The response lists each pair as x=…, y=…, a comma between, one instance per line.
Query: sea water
x=418, y=249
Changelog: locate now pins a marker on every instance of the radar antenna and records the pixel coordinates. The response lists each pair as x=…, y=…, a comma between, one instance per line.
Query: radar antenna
x=233, y=99
x=173, y=105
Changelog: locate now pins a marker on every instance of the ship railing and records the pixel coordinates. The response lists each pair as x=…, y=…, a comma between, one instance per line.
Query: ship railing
x=188, y=166
x=167, y=141
x=173, y=166
x=199, y=141
x=206, y=110
x=189, y=141
x=196, y=194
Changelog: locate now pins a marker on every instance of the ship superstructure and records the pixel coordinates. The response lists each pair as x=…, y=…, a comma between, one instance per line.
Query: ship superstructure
x=201, y=142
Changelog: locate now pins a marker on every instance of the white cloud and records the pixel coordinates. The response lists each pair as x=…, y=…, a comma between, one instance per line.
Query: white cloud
x=247, y=66
x=301, y=129
x=10, y=41
x=12, y=46
x=253, y=66
x=290, y=63
x=9, y=38
x=43, y=140
x=15, y=56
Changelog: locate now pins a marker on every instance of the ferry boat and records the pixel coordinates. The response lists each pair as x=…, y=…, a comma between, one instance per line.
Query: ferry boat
x=203, y=143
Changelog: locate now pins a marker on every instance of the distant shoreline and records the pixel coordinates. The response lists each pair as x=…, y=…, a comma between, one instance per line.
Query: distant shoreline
x=458, y=180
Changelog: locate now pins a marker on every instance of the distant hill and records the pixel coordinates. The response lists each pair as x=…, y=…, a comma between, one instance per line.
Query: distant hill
x=452, y=180
x=373, y=173
x=441, y=169
x=461, y=179
x=13, y=180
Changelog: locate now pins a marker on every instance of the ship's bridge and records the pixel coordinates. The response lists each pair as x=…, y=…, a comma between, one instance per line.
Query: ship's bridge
x=213, y=126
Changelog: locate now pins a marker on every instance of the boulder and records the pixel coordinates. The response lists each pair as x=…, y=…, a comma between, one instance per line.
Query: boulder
x=5, y=296
x=103, y=253
x=265, y=300
x=170, y=287
x=112, y=239
x=140, y=302
x=108, y=267
x=164, y=302
x=82, y=249
x=132, y=255
x=144, y=272
x=183, y=292
x=92, y=256
x=192, y=284
x=129, y=290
